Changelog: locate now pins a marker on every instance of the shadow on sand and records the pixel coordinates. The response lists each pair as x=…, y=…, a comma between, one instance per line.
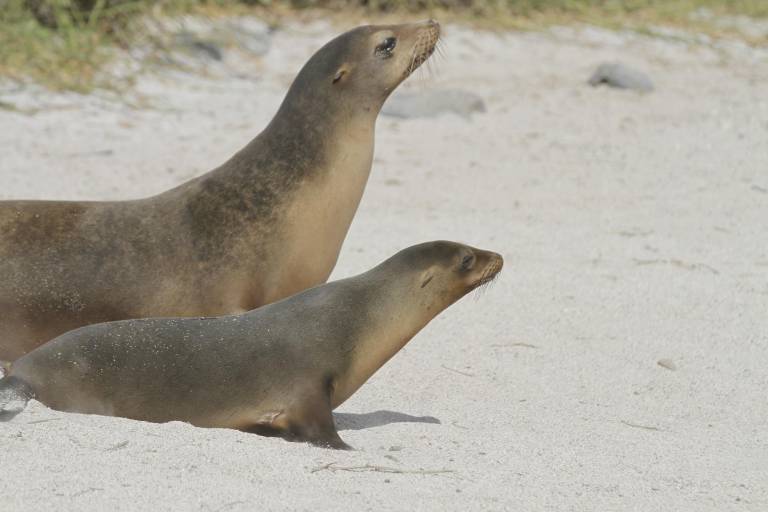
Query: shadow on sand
x=352, y=421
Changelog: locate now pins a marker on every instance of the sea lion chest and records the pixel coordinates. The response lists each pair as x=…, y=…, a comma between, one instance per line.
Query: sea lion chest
x=319, y=215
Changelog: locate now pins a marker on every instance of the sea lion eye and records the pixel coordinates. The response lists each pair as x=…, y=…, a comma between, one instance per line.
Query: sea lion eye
x=385, y=49
x=467, y=262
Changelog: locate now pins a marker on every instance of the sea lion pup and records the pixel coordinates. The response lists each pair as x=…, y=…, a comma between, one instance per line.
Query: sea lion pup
x=278, y=370
x=265, y=225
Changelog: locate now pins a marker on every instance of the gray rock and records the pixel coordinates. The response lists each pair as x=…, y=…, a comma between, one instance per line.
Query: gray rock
x=198, y=46
x=668, y=364
x=615, y=74
x=206, y=40
x=409, y=105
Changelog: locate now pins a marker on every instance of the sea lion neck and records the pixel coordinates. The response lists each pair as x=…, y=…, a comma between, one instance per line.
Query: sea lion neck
x=322, y=107
x=301, y=140
x=279, y=188
x=385, y=318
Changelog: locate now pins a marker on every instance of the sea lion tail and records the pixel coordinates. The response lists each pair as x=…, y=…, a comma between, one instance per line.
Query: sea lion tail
x=14, y=395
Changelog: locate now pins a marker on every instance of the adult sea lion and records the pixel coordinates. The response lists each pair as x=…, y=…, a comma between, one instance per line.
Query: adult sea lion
x=268, y=223
x=278, y=370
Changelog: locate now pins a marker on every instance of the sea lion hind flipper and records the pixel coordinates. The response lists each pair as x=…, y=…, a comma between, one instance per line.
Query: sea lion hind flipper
x=14, y=395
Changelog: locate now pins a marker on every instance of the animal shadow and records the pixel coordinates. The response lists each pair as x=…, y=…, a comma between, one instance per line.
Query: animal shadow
x=353, y=421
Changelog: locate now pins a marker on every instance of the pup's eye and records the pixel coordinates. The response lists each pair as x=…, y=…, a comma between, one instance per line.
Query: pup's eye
x=467, y=262
x=385, y=49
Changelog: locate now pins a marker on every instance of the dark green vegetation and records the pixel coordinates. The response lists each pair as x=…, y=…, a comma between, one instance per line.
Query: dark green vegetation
x=65, y=43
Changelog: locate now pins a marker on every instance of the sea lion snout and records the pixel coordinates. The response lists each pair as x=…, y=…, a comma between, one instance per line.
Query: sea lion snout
x=429, y=30
x=487, y=266
x=427, y=36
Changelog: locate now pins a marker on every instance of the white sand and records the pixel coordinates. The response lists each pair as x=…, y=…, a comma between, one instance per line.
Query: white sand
x=635, y=228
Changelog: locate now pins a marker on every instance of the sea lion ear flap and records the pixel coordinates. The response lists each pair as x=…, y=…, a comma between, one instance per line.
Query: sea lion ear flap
x=339, y=75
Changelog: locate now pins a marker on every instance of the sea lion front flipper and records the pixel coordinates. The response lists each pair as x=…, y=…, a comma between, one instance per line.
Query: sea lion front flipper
x=310, y=420
x=316, y=426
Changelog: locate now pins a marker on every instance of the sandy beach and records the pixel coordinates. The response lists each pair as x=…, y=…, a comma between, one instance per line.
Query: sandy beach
x=620, y=361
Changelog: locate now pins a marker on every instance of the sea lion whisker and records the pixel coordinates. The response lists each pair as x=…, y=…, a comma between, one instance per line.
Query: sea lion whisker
x=486, y=279
x=483, y=287
x=429, y=70
x=440, y=48
x=412, y=64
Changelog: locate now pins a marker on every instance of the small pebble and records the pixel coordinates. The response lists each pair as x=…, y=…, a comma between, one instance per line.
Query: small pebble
x=618, y=75
x=668, y=364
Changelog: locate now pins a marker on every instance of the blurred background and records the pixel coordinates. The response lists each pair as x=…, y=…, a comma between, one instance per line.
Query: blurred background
x=67, y=44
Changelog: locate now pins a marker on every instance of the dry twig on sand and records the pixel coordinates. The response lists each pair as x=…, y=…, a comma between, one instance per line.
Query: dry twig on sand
x=644, y=427
x=371, y=468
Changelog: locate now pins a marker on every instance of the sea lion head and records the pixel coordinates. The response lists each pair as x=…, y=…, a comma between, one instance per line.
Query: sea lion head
x=360, y=68
x=434, y=275
x=400, y=297
x=380, y=57
x=450, y=269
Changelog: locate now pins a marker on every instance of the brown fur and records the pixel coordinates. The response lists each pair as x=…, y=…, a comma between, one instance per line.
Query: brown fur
x=268, y=223
x=278, y=370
